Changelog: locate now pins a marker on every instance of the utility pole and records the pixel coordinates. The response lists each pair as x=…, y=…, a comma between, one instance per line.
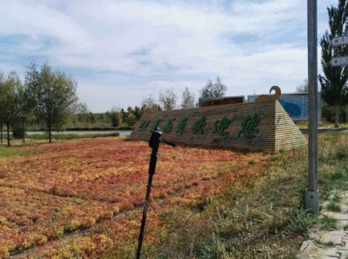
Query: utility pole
x=312, y=193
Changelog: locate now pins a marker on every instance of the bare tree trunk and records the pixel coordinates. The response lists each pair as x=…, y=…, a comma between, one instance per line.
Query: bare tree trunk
x=8, y=135
x=49, y=132
x=1, y=126
x=23, y=132
x=337, y=116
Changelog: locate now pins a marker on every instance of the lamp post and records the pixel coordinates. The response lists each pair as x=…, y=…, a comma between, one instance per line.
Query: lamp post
x=312, y=193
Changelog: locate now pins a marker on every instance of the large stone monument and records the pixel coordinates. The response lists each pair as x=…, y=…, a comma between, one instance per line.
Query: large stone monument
x=262, y=125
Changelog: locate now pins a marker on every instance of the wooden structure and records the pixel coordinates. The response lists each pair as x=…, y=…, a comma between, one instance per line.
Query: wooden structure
x=262, y=125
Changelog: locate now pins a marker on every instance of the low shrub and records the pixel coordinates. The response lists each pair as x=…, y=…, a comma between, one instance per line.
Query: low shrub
x=300, y=221
x=328, y=223
x=18, y=131
x=333, y=207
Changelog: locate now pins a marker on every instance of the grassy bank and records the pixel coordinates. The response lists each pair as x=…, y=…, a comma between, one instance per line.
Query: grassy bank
x=42, y=138
x=259, y=217
x=4, y=151
x=321, y=124
x=71, y=136
x=90, y=128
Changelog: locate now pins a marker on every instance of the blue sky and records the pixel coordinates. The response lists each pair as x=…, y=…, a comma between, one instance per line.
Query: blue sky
x=123, y=51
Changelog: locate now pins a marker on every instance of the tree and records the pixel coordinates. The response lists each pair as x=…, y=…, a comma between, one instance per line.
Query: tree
x=92, y=118
x=1, y=130
x=124, y=115
x=82, y=113
x=24, y=111
x=131, y=119
x=10, y=91
x=116, y=117
x=212, y=90
x=334, y=82
x=168, y=99
x=150, y=103
x=188, y=99
x=53, y=95
x=137, y=112
x=303, y=88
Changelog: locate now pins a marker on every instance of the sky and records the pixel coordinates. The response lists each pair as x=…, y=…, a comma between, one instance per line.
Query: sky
x=122, y=51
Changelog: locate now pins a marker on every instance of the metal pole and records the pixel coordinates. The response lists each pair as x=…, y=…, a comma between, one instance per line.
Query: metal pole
x=312, y=193
x=143, y=221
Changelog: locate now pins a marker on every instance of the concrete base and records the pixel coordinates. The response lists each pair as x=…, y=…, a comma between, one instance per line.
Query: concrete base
x=312, y=201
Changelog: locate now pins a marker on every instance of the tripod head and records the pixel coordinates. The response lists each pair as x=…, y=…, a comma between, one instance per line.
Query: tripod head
x=156, y=138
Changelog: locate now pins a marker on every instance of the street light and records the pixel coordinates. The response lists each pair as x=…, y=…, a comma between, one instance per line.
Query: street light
x=312, y=193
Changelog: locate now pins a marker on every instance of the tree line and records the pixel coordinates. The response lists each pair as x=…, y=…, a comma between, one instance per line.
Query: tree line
x=168, y=99
x=46, y=96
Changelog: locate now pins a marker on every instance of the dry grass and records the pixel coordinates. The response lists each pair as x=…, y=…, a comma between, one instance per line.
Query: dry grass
x=260, y=217
x=321, y=124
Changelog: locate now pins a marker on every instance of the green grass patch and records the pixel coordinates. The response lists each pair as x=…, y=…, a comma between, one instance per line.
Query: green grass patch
x=328, y=244
x=300, y=220
x=251, y=162
x=11, y=151
x=274, y=159
x=333, y=207
x=71, y=136
x=328, y=223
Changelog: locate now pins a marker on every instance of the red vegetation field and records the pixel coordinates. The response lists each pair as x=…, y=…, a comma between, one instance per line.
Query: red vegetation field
x=84, y=198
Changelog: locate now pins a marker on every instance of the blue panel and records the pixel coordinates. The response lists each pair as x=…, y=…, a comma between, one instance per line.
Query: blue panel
x=296, y=105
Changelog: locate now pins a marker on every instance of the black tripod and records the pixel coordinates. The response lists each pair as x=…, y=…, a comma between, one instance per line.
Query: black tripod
x=154, y=144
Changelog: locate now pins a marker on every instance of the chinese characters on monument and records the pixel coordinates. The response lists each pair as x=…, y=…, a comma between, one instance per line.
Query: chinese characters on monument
x=249, y=126
x=261, y=125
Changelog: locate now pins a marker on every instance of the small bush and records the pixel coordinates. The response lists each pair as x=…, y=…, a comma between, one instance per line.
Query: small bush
x=274, y=159
x=342, y=153
x=251, y=162
x=328, y=223
x=333, y=207
x=300, y=221
x=18, y=132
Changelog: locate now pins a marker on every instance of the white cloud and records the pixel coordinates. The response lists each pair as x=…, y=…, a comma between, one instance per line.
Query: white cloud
x=147, y=45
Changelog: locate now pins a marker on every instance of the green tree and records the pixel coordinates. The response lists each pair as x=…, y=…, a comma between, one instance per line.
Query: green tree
x=116, y=117
x=151, y=104
x=334, y=82
x=188, y=99
x=10, y=91
x=1, y=130
x=82, y=113
x=212, y=90
x=168, y=99
x=24, y=112
x=124, y=115
x=303, y=88
x=53, y=95
x=92, y=118
x=137, y=112
x=104, y=118
x=131, y=119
